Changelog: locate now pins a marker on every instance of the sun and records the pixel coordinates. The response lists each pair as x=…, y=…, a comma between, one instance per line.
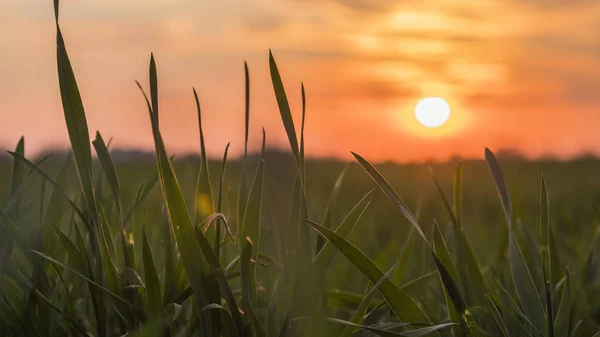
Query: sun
x=432, y=112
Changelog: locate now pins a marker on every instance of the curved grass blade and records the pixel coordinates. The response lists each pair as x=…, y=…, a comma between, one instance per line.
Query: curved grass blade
x=153, y=292
x=109, y=171
x=387, y=333
x=228, y=323
x=90, y=281
x=441, y=250
x=284, y=110
x=500, y=184
x=204, y=197
x=249, y=286
x=76, y=122
x=448, y=281
x=220, y=203
x=498, y=317
x=359, y=314
x=563, y=316
x=328, y=215
x=546, y=256
x=326, y=254
x=405, y=308
x=243, y=185
x=177, y=211
x=524, y=284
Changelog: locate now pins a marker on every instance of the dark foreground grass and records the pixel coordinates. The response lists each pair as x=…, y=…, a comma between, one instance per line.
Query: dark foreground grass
x=82, y=254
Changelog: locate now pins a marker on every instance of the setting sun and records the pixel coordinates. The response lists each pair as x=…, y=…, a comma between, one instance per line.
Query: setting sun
x=432, y=112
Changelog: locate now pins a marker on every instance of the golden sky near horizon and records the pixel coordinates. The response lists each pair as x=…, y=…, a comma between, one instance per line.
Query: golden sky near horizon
x=517, y=74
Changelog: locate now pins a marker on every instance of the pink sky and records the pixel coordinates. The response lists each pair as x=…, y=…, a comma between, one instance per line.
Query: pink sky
x=518, y=74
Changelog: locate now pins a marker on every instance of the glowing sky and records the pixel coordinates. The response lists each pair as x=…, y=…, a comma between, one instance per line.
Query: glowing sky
x=518, y=74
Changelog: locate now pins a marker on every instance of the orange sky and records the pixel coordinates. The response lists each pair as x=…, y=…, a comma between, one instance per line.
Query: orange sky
x=518, y=74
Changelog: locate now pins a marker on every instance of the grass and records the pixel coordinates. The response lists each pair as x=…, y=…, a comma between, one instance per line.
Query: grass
x=278, y=252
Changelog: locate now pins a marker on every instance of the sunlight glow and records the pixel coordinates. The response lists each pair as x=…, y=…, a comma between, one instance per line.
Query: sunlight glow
x=432, y=112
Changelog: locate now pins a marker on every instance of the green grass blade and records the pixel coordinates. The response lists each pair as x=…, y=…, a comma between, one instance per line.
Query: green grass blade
x=563, y=316
x=177, y=211
x=218, y=270
x=326, y=254
x=76, y=121
x=498, y=317
x=359, y=314
x=17, y=178
x=328, y=214
x=251, y=222
x=449, y=282
x=243, y=185
x=247, y=265
x=217, y=244
x=153, y=292
x=109, y=171
x=441, y=250
x=55, y=185
x=284, y=110
x=228, y=323
x=204, y=197
x=387, y=333
x=526, y=290
x=500, y=184
x=546, y=255
x=458, y=198
x=142, y=194
x=405, y=308
x=90, y=281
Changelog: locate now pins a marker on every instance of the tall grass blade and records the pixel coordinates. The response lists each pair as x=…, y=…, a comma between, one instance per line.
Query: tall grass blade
x=405, y=308
x=326, y=254
x=153, y=292
x=546, y=255
x=109, y=171
x=76, y=121
x=284, y=110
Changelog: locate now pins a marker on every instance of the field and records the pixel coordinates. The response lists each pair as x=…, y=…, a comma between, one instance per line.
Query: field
x=277, y=244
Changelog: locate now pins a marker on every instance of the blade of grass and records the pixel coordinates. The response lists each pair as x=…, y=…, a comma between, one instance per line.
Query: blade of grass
x=326, y=254
x=523, y=281
x=546, y=256
x=405, y=308
x=153, y=293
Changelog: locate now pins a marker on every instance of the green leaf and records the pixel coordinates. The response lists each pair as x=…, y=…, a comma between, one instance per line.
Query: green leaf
x=90, y=281
x=387, y=333
x=177, y=211
x=449, y=282
x=498, y=318
x=76, y=122
x=525, y=286
x=326, y=254
x=563, y=316
x=153, y=293
x=405, y=308
x=228, y=323
x=243, y=185
x=284, y=110
x=441, y=250
x=500, y=184
x=328, y=215
x=249, y=286
x=204, y=197
x=546, y=255
x=217, y=244
x=358, y=316
x=109, y=171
